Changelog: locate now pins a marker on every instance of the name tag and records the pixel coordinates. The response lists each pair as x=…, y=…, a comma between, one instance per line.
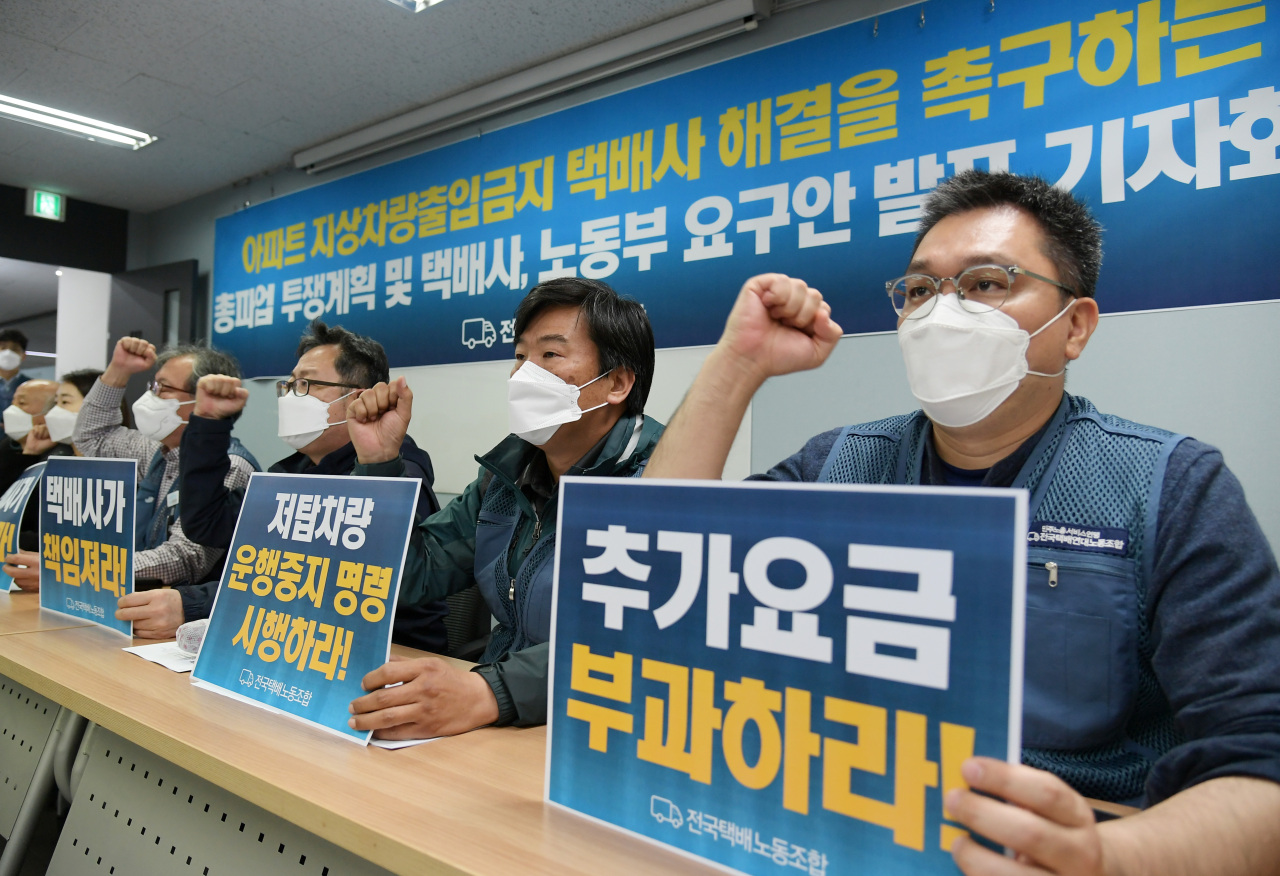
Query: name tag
x=1094, y=539
x=171, y=499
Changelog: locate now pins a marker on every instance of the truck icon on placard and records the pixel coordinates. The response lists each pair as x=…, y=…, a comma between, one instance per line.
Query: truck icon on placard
x=478, y=331
x=663, y=810
x=247, y=677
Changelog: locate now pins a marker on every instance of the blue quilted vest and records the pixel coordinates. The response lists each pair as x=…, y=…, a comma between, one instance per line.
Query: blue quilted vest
x=151, y=529
x=1093, y=712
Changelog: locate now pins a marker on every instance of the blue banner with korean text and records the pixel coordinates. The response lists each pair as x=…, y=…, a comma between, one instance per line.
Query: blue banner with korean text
x=308, y=594
x=86, y=537
x=13, y=504
x=777, y=677
x=812, y=158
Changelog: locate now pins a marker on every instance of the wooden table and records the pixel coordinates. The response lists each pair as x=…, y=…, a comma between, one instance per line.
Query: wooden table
x=20, y=612
x=467, y=804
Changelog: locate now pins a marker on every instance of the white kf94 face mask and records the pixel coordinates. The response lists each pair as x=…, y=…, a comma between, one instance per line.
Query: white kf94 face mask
x=539, y=403
x=17, y=422
x=302, y=418
x=157, y=417
x=61, y=423
x=962, y=365
x=9, y=360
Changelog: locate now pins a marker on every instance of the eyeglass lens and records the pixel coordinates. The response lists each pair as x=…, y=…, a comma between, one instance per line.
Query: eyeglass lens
x=300, y=387
x=984, y=287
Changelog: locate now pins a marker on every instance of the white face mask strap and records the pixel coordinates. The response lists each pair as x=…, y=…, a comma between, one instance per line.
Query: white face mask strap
x=334, y=402
x=1056, y=318
x=593, y=380
x=1042, y=328
x=588, y=383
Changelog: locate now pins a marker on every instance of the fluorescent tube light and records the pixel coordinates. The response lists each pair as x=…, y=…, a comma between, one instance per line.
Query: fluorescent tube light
x=415, y=5
x=69, y=123
x=671, y=37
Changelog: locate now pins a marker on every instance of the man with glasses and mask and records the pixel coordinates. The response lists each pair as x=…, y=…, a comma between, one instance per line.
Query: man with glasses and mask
x=575, y=404
x=162, y=550
x=1177, y=706
x=333, y=365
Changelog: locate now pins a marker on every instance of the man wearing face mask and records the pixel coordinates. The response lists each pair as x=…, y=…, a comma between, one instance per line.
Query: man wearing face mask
x=1136, y=532
x=23, y=420
x=333, y=364
x=13, y=350
x=584, y=364
x=162, y=550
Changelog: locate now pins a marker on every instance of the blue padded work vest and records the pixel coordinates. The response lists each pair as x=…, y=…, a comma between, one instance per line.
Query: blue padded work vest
x=1093, y=711
x=151, y=529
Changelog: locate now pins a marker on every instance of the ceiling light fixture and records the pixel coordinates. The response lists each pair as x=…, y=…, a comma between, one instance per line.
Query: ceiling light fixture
x=415, y=5
x=682, y=33
x=69, y=123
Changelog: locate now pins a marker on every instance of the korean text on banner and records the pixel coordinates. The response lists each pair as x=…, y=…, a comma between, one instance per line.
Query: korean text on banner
x=13, y=505
x=813, y=158
x=308, y=594
x=86, y=537
x=777, y=677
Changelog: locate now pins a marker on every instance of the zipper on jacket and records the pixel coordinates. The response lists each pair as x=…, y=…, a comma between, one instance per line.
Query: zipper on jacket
x=511, y=594
x=1053, y=573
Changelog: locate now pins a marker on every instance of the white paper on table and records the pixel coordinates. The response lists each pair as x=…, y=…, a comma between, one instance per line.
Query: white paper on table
x=391, y=744
x=167, y=654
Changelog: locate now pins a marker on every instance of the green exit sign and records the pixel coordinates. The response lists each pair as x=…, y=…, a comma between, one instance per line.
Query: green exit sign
x=46, y=205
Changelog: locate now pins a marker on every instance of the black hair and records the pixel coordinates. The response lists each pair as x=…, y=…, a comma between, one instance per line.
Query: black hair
x=1072, y=236
x=14, y=335
x=616, y=324
x=361, y=361
x=82, y=380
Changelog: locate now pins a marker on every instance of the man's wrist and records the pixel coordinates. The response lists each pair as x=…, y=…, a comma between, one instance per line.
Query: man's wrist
x=732, y=376
x=504, y=708
x=387, y=468
x=115, y=377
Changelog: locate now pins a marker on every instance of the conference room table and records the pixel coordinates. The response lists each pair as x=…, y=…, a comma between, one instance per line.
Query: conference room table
x=467, y=804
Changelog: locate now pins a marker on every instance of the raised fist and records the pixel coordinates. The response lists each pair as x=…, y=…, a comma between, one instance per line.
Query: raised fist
x=377, y=420
x=219, y=397
x=133, y=355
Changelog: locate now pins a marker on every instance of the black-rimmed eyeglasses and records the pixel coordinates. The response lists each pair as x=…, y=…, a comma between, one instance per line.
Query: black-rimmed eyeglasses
x=301, y=386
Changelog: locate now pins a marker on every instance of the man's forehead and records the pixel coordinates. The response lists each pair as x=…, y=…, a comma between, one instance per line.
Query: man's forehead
x=178, y=366
x=555, y=325
x=318, y=363
x=1004, y=234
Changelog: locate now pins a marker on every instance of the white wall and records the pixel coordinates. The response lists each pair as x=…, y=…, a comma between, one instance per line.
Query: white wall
x=84, y=307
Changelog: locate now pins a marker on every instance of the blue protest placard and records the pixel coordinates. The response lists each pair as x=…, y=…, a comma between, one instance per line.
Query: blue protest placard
x=13, y=504
x=811, y=157
x=308, y=594
x=86, y=537
x=776, y=677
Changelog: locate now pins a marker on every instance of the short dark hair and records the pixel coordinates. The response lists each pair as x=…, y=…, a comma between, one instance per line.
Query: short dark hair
x=82, y=380
x=204, y=360
x=1073, y=237
x=616, y=324
x=15, y=335
x=361, y=361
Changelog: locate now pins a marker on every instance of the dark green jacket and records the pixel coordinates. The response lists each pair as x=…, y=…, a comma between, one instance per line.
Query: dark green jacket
x=442, y=558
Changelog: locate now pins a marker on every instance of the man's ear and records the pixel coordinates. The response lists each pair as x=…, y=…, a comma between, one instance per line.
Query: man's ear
x=1082, y=321
x=620, y=382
